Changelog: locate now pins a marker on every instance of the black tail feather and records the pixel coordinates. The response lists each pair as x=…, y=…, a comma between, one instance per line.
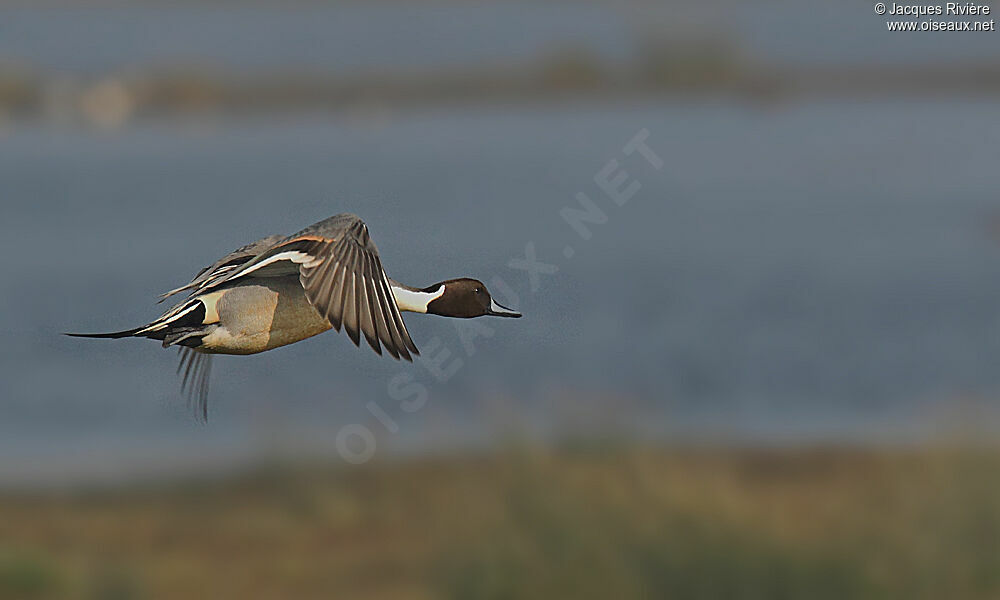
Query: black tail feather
x=114, y=335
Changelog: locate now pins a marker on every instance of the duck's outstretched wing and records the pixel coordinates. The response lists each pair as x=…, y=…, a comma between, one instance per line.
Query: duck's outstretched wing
x=197, y=369
x=341, y=273
x=225, y=266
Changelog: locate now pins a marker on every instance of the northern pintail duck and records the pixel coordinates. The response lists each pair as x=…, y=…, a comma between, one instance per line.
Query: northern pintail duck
x=280, y=290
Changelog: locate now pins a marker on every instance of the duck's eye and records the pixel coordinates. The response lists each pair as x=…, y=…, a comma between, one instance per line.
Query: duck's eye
x=477, y=290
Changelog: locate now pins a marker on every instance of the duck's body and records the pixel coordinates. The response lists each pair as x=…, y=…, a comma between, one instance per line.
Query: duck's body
x=281, y=290
x=259, y=315
x=262, y=314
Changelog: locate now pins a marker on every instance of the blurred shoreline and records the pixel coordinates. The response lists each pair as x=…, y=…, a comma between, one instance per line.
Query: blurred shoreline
x=661, y=71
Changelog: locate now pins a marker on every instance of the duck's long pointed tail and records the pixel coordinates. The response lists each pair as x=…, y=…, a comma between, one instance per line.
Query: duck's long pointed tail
x=188, y=314
x=112, y=335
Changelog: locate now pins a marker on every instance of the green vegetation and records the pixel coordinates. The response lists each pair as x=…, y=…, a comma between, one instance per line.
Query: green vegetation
x=26, y=576
x=580, y=523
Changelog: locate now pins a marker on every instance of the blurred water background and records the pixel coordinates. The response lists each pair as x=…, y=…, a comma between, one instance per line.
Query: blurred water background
x=804, y=267
x=814, y=265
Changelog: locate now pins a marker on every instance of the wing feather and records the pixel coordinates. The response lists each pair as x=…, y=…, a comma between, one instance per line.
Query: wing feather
x=368, y=306
x=225, y=266
x=378, y=308
x=351, y=298
x=197, y=369
x=335, y=306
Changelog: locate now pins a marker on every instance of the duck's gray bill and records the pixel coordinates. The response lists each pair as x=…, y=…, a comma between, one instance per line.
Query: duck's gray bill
x=498, y=310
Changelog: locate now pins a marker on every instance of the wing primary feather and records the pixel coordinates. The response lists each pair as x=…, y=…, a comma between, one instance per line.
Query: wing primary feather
x=401, y=326
x=335, y=311
x=320, y=287
x=392, y=319
x=324, y=292
x=341, y=295
x=368, y=304
x=351, y=296
x=345, y=285
x=382, y=318
x=406, y=345
x=360, y=304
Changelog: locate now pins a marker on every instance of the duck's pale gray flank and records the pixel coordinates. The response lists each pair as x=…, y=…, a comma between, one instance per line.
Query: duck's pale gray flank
x=283, y=289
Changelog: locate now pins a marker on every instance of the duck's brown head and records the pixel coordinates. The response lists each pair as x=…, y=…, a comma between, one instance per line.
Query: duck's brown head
x=465, y=298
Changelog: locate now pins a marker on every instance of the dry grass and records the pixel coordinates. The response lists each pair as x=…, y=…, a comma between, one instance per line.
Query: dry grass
x=582, y=523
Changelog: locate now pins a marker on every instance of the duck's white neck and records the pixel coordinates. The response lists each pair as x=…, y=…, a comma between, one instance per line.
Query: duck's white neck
x=414, y=300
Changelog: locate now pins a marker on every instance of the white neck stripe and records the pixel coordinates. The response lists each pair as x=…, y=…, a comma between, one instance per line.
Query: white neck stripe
x=415, y=301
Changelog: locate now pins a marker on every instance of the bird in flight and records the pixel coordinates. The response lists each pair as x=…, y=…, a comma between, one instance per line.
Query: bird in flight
x=283, y=289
